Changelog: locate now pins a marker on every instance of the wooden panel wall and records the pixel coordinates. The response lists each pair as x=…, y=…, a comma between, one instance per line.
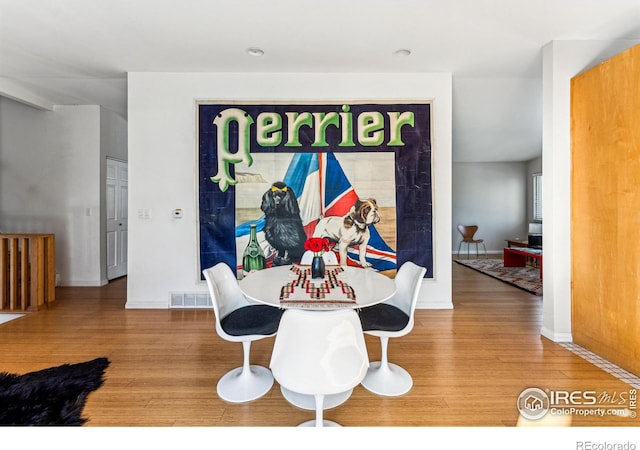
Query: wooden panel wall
x=605, y=216
x=27, y=271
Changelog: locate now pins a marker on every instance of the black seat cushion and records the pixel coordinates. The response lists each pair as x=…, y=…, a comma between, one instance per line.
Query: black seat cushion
x=253, y=319
x=383, y=317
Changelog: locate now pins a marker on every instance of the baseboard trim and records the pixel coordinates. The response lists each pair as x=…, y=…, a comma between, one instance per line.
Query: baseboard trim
x=75, y=283
x=556, y=337
x=438, y=304
x=146, y=305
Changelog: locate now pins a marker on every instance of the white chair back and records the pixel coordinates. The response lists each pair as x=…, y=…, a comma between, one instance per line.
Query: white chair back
x=248, y=382
x=408, y=283
x=319, y=352
x=226, y=295
x=329, y=258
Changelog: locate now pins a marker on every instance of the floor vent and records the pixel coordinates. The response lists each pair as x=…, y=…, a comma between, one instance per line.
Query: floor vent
x=189, y=300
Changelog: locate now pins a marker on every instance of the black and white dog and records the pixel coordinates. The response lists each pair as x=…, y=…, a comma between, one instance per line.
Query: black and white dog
x=283, y=228
x=351, y=229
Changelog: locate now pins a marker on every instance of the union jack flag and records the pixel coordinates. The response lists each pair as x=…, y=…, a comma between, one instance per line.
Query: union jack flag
x=322, y=190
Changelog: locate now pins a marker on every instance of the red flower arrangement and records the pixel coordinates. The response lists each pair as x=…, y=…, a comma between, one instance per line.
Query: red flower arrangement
x=317, y=245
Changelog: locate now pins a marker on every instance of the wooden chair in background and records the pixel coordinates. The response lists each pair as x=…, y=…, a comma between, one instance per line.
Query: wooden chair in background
x=468, y=232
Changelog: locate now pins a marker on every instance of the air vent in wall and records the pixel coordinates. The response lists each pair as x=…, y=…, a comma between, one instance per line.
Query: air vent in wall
x=189, y=300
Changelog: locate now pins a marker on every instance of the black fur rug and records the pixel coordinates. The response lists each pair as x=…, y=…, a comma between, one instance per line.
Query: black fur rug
x=54, y=396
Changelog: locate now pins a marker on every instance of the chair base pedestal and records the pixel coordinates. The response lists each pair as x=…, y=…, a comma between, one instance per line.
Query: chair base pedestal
x=237, y=386
x=308, y=402
x=325, y=423
x=390, y=380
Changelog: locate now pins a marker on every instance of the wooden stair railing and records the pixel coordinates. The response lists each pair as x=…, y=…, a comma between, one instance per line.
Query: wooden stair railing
x=27, y=271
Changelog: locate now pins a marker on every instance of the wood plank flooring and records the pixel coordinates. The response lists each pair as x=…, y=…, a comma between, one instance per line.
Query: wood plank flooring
x=469, y=364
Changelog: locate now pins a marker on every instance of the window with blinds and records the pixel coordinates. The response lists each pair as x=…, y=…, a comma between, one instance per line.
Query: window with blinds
x=537, y=196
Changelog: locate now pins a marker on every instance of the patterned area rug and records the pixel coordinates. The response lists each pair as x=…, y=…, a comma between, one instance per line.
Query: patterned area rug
x=526, y=278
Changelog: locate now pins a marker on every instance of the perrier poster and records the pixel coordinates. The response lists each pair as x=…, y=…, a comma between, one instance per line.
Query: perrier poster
x=369, y=164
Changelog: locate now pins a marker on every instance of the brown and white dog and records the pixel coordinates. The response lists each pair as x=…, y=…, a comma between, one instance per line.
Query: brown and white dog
x=351, y=229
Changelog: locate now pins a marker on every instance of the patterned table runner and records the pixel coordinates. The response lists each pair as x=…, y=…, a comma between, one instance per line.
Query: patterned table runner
x=304, y=292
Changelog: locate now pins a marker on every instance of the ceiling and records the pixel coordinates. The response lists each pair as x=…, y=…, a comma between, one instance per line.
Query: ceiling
x=71, y=52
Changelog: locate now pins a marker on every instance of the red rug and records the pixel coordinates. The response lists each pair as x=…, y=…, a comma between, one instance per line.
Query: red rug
x=526, y=278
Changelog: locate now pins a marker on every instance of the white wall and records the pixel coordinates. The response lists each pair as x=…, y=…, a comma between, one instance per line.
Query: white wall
x=491, y=124
x=492, y=196
x=113, y=135
x=50, y=181
x=163, y=251
x=562, y=60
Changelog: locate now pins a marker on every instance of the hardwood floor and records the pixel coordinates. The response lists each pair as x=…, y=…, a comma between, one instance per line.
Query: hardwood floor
x=469, y=364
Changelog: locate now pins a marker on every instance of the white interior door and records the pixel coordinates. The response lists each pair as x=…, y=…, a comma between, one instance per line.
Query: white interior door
x=117, y=206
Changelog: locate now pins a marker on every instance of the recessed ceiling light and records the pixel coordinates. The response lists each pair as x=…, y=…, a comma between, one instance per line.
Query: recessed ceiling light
x=255, y=51
x=402, y=52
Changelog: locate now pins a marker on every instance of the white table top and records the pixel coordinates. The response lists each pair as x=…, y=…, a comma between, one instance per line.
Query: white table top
x=370, y=287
